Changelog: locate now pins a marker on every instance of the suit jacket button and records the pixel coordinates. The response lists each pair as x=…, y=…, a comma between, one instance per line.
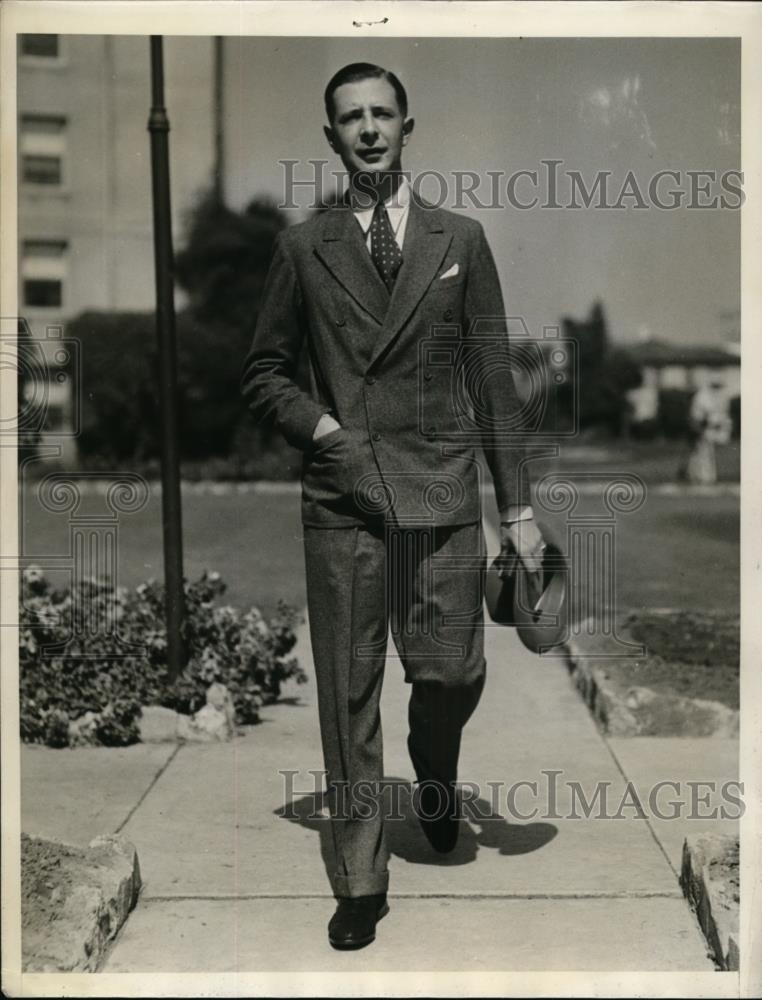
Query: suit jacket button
x=376, y=436
x=340, y=321
x=428, y=376
x=447, y=314
x=369, y=380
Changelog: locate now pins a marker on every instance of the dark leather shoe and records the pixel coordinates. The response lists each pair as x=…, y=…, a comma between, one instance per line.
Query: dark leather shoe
x=353, y=925
x=438, y=811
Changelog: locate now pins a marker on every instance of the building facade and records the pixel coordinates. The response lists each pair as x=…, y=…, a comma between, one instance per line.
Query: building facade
x=666, y=366
x=84, y=173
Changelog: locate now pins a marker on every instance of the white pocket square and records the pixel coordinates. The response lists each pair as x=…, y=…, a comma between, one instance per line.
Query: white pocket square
x=450, y=272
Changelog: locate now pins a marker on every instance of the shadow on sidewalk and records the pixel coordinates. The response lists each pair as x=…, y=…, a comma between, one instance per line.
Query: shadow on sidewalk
x=482, y=828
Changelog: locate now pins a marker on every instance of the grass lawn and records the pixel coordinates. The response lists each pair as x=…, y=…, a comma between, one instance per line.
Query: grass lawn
x=653, y=463
x=253, y=541
x=676, y=551
x=693, y=654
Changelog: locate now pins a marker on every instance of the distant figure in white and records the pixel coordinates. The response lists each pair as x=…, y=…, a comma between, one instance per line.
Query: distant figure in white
x=712, y=425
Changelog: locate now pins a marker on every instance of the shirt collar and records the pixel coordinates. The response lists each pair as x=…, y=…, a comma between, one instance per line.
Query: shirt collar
x=396, y=207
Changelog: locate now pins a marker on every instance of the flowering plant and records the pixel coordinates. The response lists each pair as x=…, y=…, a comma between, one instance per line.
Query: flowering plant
x=100, y=650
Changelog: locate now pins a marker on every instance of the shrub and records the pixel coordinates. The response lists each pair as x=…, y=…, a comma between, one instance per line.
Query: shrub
x=674, y=412
x=120, y=421
x=222, y=268
x=118, y=386
x=603, y=377
x=645, y=430
x=66, y=673
x=735, y=416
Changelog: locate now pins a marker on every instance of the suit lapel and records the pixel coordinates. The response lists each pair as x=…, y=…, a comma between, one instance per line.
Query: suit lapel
x=344, y=252
x=426, y=244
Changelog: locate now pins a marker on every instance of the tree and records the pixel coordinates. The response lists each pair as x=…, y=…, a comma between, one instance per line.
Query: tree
x=605, y=374
x=224, y=263
x=222, y=268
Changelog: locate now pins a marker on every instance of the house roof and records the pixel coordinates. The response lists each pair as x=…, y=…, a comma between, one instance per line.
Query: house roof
x=658, y=353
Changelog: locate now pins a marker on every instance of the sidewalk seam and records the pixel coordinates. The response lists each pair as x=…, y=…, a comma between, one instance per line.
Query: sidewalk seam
x=646, y=818
x=151, y=784
x=604, y=740
x=471, y=896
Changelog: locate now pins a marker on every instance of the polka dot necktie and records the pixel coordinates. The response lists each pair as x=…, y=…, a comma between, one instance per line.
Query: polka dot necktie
x=384, y=250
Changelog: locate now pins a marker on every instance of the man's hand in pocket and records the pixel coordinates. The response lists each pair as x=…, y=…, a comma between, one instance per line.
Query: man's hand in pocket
x=325, y=425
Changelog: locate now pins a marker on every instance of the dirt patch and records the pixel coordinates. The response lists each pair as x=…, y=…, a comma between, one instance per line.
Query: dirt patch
x=690, y=654
x=685, y=682
x=49, y=873
x=724, y=871
x=73, y=901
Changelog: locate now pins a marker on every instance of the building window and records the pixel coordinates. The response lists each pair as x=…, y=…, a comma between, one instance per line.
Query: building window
x=40, y=46
x=42, y=143
x=41, y=169
x=55, y=249
x=34, y=124
x=42, y=293
x=43, y=273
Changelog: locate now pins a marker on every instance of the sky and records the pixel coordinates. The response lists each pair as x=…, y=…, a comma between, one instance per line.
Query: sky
x=618, y=105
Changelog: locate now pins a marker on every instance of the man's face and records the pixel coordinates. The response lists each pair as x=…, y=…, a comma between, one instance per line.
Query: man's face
x=368, y=130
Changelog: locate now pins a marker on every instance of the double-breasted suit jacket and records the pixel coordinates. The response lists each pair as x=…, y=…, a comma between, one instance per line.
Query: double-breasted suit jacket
x=416, y=389
x=417, y=378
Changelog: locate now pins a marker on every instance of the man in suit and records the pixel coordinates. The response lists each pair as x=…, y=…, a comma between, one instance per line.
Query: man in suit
x=399, y=308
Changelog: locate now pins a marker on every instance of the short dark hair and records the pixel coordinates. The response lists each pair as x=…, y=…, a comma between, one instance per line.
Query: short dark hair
x=363, y=71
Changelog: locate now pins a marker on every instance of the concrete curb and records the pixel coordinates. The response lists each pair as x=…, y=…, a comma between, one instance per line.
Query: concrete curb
x=638, y=710
x=607, y=709
x=707, y=877
x=97, y=887
x=709, y=885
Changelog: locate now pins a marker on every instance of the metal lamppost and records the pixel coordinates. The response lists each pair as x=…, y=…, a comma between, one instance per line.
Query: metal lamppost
x=158, y=126
x=219, y=114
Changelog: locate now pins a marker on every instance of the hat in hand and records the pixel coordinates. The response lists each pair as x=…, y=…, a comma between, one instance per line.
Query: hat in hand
x=534, y=603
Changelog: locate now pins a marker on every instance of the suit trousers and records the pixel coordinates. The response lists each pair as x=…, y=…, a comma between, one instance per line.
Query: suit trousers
x=425, y=584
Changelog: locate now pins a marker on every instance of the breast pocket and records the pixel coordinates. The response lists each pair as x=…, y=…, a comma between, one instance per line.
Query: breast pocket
x=446, y=284
x=444, y=300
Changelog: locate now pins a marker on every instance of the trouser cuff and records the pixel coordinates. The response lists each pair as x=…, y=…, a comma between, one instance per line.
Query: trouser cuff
x=371, y=884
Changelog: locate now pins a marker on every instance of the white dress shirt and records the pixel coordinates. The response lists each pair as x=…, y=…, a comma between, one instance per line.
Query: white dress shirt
x=397, y=208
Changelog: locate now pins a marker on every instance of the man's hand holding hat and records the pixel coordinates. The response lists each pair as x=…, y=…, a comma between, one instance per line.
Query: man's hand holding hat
x=519, y=532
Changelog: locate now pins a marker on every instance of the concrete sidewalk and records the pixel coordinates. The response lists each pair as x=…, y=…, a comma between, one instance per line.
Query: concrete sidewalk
x=232, y=885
